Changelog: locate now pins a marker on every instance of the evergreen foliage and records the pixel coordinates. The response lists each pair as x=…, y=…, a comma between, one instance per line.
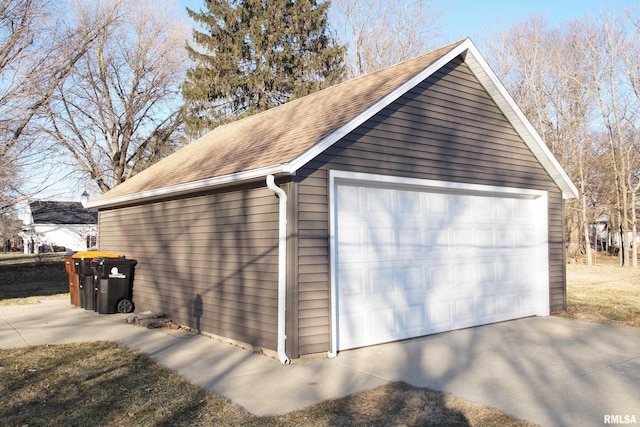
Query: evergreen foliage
x=252, y=55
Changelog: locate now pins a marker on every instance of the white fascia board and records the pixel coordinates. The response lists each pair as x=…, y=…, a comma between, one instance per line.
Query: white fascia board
x=492, y=84
x=341, y=132
x=189, y=187
x=514, y=114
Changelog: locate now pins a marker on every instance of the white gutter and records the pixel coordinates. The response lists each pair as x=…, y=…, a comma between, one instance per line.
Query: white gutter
x=189, y=187
x=282, y=269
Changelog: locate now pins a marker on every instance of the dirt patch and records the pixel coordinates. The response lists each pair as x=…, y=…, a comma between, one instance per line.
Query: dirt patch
x=25, y=276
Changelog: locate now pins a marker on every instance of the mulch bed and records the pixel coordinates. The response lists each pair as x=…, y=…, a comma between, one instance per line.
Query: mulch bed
x=33, y=279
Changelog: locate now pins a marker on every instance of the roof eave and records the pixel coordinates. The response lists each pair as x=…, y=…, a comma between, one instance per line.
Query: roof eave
x=342, y=131
x=190, y=187
x=516, y=117
x=492, y=84
x=479, y=67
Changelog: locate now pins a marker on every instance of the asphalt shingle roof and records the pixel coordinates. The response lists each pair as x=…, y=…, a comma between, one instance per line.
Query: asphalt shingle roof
x=276, y=136
x=50, y=212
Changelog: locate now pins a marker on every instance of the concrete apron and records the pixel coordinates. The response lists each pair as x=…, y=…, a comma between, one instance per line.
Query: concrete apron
x=550, y=371
x=547, y=370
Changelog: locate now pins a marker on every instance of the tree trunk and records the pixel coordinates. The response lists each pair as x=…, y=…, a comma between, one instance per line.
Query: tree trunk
x=634, y=246
x=585, y=228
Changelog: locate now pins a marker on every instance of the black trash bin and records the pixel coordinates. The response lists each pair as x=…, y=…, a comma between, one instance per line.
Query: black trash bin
x=114, y=284
x=86, y=280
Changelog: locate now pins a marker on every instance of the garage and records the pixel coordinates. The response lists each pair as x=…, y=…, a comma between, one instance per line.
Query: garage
x=414, y=257
x=413, y=200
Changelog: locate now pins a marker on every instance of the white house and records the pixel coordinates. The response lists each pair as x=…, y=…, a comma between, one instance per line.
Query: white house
x=58, y=226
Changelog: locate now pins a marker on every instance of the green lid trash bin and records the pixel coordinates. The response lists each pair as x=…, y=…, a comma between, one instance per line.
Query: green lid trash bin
x=114, y=284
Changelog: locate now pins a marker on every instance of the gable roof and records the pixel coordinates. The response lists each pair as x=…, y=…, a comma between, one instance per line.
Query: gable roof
x=283, y=139
x=49, y=212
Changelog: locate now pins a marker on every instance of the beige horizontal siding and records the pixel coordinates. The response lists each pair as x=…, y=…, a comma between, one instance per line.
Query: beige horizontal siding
x=209, y=262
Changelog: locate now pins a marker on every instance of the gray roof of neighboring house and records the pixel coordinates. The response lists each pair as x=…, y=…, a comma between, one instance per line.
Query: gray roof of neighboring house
x=50, y=212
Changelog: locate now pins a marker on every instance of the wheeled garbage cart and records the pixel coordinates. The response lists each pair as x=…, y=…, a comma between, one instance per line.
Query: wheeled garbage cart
x=114, y=278
x=74, y=284
x=86, y=273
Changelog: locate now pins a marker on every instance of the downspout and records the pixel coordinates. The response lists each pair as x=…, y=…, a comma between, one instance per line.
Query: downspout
x=282, y=268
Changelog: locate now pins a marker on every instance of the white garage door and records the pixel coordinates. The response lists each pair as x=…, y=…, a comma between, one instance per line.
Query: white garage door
x=410, y=260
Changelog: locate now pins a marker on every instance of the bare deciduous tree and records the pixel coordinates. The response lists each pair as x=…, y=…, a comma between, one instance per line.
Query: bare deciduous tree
x=578, y=85
x=573, y=107
x=24, y=26
x=119, y=108
x=632, y=72
x=605, y=44
x=528, y=58
x=38, y=49
x=381, y=33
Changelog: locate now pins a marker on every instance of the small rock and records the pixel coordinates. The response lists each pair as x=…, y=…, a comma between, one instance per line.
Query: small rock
x=149, y=315
x=152, y=323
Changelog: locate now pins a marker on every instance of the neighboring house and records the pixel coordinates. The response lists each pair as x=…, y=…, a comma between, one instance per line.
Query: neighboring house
x=607, y=237
x=59, y=226
x=601, y=235
x=413, y=200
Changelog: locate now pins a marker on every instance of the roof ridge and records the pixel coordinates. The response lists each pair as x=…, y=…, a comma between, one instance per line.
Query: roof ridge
x=267, y=142
x=347, y=82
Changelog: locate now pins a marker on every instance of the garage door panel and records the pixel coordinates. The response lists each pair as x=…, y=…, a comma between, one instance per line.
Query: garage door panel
x=411, y=241
x=508, y=303
x=413, y=318
x=439, y=314
x=436, y=204
x=464, y=310
x=380, y=240
x=411, y=262
x=439, y=277
x=410, y=279
x=486, y=307
x=409, y=203
x=466, y=276
x=349, y=200
x=380, y=281
x=352, y=283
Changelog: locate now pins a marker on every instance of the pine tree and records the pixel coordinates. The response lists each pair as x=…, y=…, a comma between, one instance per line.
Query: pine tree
x=254, y=55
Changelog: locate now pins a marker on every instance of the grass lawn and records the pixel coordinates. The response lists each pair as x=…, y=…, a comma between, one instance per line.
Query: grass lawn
x=603, y=293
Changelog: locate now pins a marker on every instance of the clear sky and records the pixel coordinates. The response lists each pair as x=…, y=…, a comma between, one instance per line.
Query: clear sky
x=476, y=18
x=461, y=18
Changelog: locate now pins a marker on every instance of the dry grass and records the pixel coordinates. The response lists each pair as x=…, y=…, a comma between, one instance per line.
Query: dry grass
x=32, y=300
x=603, y=293
x=13, y=258
x=107, y=384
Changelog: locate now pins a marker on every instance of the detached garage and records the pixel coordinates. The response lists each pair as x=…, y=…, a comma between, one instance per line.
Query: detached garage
x=413, y=200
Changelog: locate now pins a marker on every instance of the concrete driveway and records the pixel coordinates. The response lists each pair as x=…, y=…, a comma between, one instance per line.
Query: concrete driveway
x=551, y=371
